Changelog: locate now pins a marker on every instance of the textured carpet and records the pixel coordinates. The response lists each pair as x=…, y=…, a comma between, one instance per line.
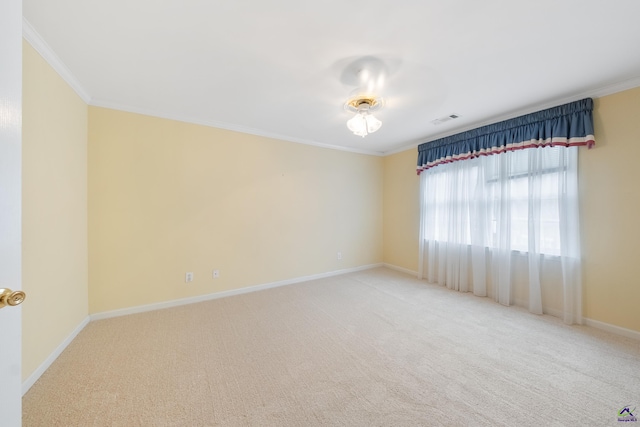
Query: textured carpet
x=374, y=348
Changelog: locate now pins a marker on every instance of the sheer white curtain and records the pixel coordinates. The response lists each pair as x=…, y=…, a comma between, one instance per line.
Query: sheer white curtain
x=496, y=226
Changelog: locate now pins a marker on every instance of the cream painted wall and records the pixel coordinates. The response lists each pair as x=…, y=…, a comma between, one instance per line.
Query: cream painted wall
x=167, y=197
x=610, y=179
x=401, y=210
x=55, y=262
x=610, y=204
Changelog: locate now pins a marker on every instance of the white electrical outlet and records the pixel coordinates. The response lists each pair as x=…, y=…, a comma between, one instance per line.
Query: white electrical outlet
x=188, y=277
x=216, y=274
x=339, y=256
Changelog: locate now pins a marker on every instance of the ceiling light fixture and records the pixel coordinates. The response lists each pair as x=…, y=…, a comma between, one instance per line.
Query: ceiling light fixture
x=364, y=122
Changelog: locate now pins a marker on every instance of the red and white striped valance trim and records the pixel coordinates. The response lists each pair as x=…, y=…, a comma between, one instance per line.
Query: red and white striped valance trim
x=588, y=141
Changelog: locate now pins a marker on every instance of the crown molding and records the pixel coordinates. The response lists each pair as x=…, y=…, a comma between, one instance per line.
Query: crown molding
x=228, y=126
x=610, y=89
x=41, y=46
x=38, y=43
x=589, y=93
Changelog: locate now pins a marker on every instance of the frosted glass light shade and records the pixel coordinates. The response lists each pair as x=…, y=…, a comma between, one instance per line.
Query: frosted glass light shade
x=363, y=124
x=358, y=125
x=373, y=124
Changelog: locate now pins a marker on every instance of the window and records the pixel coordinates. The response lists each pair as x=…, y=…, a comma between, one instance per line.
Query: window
x=504, y=188
x=470, y=202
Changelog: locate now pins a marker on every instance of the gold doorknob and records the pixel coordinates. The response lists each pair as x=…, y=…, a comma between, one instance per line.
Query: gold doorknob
x=12, y=298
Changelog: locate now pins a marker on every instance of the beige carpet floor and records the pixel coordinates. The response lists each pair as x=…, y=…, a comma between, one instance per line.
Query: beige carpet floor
x=373, y=348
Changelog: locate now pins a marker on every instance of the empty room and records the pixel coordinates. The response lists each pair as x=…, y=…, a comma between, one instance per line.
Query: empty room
x=319, y=213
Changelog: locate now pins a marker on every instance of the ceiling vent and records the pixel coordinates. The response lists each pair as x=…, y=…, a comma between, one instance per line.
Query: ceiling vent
x=444, y=119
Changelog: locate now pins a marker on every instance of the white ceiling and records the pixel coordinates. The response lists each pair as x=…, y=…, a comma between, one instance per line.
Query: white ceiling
x=284, y=68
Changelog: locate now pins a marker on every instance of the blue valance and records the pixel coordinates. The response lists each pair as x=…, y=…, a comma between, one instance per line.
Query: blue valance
x=566, y=125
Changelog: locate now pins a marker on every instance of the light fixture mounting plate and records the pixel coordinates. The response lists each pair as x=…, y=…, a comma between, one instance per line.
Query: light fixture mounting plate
x=356, y=103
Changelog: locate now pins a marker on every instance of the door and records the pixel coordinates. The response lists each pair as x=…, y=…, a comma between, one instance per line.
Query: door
x=10, y=207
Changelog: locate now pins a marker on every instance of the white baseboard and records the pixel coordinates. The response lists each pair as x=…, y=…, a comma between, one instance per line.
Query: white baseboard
x=402, y=270
x=553, y=312
x=29, y=382
x=545, y=310
x=629, y=333
x=224, y=294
